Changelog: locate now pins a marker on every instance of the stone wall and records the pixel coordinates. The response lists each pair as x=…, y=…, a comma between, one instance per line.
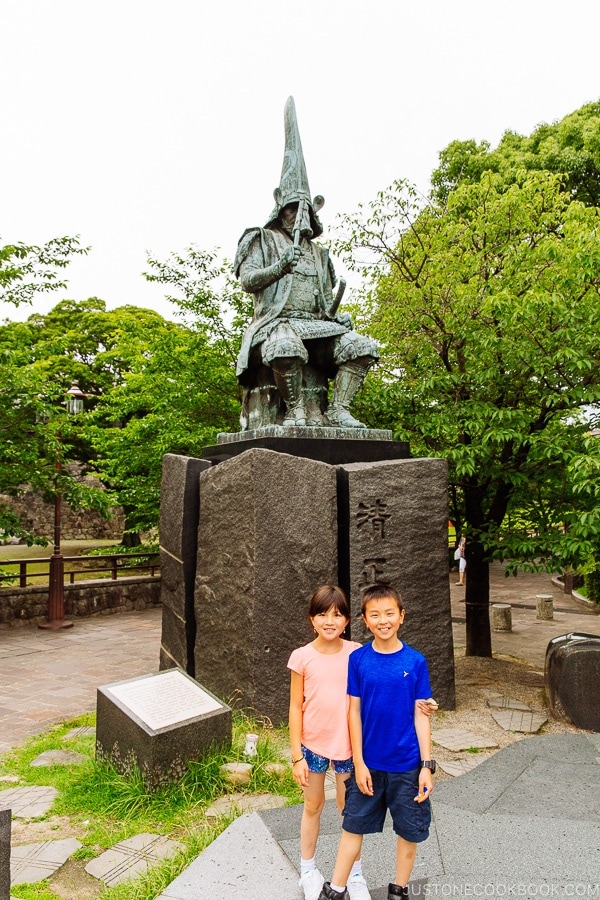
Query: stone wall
x=29, y=605
x=83, y=525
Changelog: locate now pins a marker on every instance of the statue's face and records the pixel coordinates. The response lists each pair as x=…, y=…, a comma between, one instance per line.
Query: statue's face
x=288, y=214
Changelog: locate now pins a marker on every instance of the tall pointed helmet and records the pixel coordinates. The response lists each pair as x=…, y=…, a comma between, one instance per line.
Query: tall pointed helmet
x=293, y=184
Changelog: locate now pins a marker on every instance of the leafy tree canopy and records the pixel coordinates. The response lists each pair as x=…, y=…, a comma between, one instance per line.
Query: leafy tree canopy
x=486, y=308
x=26, y=271
x=570, y=147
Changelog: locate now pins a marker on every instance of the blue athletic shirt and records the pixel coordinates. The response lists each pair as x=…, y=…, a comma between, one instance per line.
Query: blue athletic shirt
x=388, y=685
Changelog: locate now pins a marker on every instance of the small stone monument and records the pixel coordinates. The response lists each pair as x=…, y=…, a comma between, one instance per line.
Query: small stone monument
x=5, y=827
x=159, y=722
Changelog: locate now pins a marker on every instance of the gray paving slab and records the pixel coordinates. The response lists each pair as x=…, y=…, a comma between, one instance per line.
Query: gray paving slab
x=34, y=862
x=456, y=767
x=499, y=701
x=59, y=758
x=244, y=803
x=461, y=739
x=560, y=755
x=518, y=847
x=131, y=858
x=519, y=720
x=82, y=731
x=378, y=855
x=28, y=802
x=245, y=861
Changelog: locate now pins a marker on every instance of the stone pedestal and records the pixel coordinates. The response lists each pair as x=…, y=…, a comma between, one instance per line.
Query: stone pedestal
x=572, y=678
x=394, y=515
x=335, y=446
x=267, y=539
x=274, y=526
x=179, y=514
x=159, y=722
x=501, y=617
x=544, y=607
x=5, y=827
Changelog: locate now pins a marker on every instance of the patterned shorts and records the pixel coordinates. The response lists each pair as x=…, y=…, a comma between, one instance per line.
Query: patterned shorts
x=319, y=764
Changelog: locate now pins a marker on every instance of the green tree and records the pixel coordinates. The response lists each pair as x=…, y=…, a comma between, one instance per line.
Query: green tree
x=29, y=443
x=28, y=270
x=570, y=147
x=36, y=434
x=487, y=312
x=177, y=395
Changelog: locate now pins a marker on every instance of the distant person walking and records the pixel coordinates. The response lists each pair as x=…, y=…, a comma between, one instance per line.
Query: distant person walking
x=462, y=561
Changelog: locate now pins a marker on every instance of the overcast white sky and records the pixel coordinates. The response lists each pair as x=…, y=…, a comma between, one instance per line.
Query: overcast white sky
x=148, y=126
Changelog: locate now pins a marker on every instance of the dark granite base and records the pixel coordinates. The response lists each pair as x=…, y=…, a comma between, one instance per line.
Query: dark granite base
x=5, y=827
x=334, y=451
x=161, y=754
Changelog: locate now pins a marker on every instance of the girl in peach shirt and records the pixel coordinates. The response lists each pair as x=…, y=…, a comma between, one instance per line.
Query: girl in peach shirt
x=318, y=722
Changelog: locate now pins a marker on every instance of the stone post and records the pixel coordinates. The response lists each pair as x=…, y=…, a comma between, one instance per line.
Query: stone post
x=544, y=606
x=501, y=617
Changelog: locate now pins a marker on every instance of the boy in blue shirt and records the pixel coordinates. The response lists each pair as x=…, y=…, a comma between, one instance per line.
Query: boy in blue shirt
x=391, y=744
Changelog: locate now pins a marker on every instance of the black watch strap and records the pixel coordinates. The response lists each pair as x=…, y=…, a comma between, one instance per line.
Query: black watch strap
x=429, y=764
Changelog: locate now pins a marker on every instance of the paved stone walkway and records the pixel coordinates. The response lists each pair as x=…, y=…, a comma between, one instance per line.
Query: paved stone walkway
x=49, y=676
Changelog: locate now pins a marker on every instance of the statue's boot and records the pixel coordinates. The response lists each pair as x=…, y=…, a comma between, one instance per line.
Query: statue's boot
x=347, y=382
x=288, y=379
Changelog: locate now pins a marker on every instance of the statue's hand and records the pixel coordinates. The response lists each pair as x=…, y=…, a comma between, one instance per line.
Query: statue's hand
x=289, y=259
x=344, y=319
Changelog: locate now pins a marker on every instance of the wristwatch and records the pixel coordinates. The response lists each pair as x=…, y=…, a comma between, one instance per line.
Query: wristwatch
x=429, y=764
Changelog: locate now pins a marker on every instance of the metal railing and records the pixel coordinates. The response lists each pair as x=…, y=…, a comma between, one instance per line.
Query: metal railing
x=24, y=572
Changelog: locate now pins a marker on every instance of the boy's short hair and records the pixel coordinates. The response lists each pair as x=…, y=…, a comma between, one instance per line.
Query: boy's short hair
x=378, y=592
x=325, y=597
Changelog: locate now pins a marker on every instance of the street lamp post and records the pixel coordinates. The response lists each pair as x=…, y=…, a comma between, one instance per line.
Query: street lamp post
x=56, y=588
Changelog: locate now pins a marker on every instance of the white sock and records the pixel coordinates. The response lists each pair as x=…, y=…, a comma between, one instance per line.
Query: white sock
x=356, y=868
x=336, y=887
x=307, y=865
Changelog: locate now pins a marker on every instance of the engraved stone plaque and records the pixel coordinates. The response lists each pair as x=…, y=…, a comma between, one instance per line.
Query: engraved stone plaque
x=165, y=699
x=159, y=722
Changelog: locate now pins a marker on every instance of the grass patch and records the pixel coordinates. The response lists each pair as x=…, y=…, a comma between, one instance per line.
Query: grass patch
x=39, y=891
x=104, y=807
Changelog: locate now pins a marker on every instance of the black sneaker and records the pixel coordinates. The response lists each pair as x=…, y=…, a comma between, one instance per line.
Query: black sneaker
x=327, y=893
x=394, y=891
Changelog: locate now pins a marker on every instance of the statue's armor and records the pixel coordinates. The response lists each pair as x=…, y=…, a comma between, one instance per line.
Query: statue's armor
x=302, y=317
x=304, y=296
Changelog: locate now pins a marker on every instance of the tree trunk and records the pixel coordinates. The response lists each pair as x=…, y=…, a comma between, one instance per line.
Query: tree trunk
x=477, y=601
x=477, y=593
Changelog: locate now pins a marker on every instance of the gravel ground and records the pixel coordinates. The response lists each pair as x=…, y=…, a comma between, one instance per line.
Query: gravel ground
x=476, y=679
